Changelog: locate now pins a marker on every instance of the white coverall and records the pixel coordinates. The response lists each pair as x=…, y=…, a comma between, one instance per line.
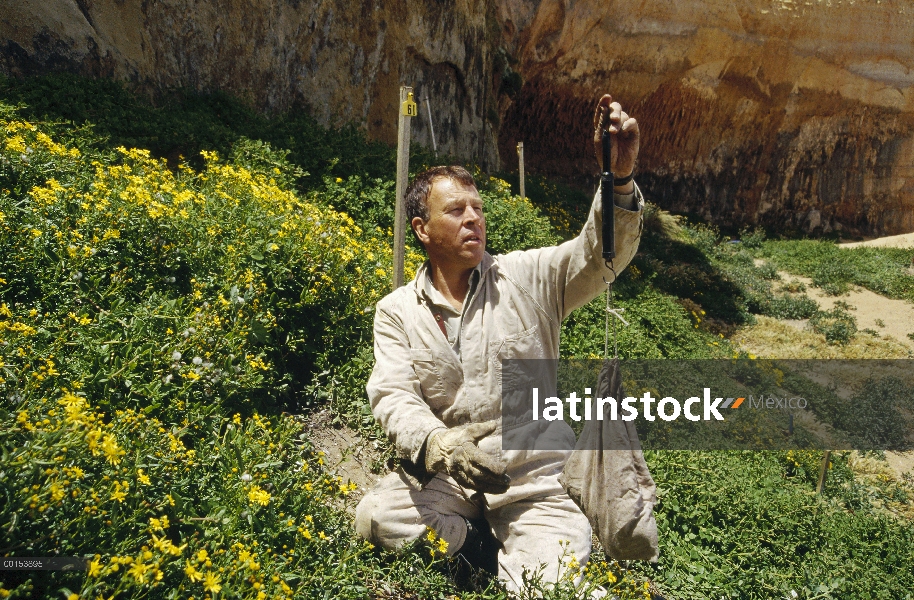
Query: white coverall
x=420, y=384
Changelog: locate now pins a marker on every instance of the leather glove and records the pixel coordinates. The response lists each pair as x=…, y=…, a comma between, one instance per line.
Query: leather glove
x=454, y=451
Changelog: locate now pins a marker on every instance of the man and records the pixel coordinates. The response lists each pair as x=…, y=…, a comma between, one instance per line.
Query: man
x=436, y=385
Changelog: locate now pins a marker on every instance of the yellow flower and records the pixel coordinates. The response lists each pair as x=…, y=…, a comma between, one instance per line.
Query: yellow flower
x=73, y=597
x=95, y=567
x=259, y=496
x=202, y=555
x=211, y=583
x=138, y=571
x=74, y=472
x=57, y=492
x=112, y=451
x=164, y=545
x=192, y=573
x=118, y=494
x=142, y=477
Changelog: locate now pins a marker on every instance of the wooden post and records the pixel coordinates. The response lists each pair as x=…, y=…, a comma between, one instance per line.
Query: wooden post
x=431, y=126
x=407, y=110
x=520, y=162
x=823, y=469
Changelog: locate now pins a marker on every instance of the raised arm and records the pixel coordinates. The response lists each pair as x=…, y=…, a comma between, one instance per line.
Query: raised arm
x=568, y=276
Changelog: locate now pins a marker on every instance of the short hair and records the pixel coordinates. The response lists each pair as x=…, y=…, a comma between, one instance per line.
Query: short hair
x=418, y=191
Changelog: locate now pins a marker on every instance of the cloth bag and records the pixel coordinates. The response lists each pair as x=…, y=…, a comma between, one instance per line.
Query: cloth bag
x=614, y=488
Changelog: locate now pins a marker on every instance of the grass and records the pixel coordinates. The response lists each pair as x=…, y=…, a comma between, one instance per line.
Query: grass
x=773, y=338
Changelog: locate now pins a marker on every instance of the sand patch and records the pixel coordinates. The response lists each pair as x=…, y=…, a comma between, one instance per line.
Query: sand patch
x=905, y=240
x=889, y=317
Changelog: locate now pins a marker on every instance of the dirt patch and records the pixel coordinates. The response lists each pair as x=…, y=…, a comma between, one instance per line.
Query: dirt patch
x=346, y=453
x=905, y=240
x=902, y=464
x=889, y=317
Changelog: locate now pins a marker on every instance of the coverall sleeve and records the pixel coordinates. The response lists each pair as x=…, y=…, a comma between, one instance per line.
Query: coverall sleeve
x=394, y=391
x=570, y=275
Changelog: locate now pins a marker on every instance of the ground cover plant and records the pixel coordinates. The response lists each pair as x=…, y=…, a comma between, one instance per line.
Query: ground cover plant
x=886, y=271
x=163, y=317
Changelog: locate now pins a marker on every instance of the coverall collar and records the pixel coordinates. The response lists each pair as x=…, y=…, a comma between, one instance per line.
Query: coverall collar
x=423, y=287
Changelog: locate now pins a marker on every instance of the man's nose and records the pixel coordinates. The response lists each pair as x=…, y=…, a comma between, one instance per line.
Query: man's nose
x=471, y=216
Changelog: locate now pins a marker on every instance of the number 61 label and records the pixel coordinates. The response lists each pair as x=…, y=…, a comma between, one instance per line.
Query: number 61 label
x=409, y=106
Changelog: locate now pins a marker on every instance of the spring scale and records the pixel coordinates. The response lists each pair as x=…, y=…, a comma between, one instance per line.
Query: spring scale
x=607, y=182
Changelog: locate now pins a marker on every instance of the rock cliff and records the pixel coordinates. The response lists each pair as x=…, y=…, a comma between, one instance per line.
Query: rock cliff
x=344, y=61
x=782, y=112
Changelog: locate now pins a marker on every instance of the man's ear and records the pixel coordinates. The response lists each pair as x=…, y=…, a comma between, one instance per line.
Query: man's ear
x=419, y=227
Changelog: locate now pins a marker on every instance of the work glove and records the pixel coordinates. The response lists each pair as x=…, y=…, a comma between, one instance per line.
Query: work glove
x=454, y=452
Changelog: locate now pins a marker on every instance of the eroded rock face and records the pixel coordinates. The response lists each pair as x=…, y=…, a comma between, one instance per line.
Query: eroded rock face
x=783, y=112
x=345, y=61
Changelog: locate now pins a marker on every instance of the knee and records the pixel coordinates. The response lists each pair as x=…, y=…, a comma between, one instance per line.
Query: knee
x=382, y=522
x=366, y=517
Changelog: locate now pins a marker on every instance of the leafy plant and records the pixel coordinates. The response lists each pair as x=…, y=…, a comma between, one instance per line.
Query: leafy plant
x=837, y=325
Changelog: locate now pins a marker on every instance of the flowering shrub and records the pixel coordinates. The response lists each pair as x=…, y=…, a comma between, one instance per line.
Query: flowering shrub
x=161, y=287
x=246, y=510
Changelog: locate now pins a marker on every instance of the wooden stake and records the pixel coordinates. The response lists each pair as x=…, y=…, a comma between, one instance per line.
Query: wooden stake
x=407, y=110
x=520, y=162
x=823, y=469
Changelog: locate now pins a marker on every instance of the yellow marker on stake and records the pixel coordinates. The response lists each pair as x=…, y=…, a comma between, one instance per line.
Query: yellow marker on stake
x=409, y=108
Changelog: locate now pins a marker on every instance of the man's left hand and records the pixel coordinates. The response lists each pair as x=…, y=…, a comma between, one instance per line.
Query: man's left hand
x=624, y=134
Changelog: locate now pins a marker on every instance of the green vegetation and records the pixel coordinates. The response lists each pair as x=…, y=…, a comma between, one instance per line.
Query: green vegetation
x=886, y=271
x=161, y=316
x=748, y=525
x=107, y=115
x=837, y=325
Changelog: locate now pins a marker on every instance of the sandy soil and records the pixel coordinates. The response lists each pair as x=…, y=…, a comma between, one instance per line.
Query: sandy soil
x=902, y=463
x=905, y=240
x=890, y=317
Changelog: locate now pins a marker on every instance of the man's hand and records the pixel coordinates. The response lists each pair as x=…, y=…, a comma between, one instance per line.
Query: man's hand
x=455, y=452
x=624, y=135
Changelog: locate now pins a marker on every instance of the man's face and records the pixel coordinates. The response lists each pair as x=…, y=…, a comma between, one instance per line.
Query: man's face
x=455, y=232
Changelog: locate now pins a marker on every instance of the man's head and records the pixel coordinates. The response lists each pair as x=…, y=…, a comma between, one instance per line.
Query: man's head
x=445, y=212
